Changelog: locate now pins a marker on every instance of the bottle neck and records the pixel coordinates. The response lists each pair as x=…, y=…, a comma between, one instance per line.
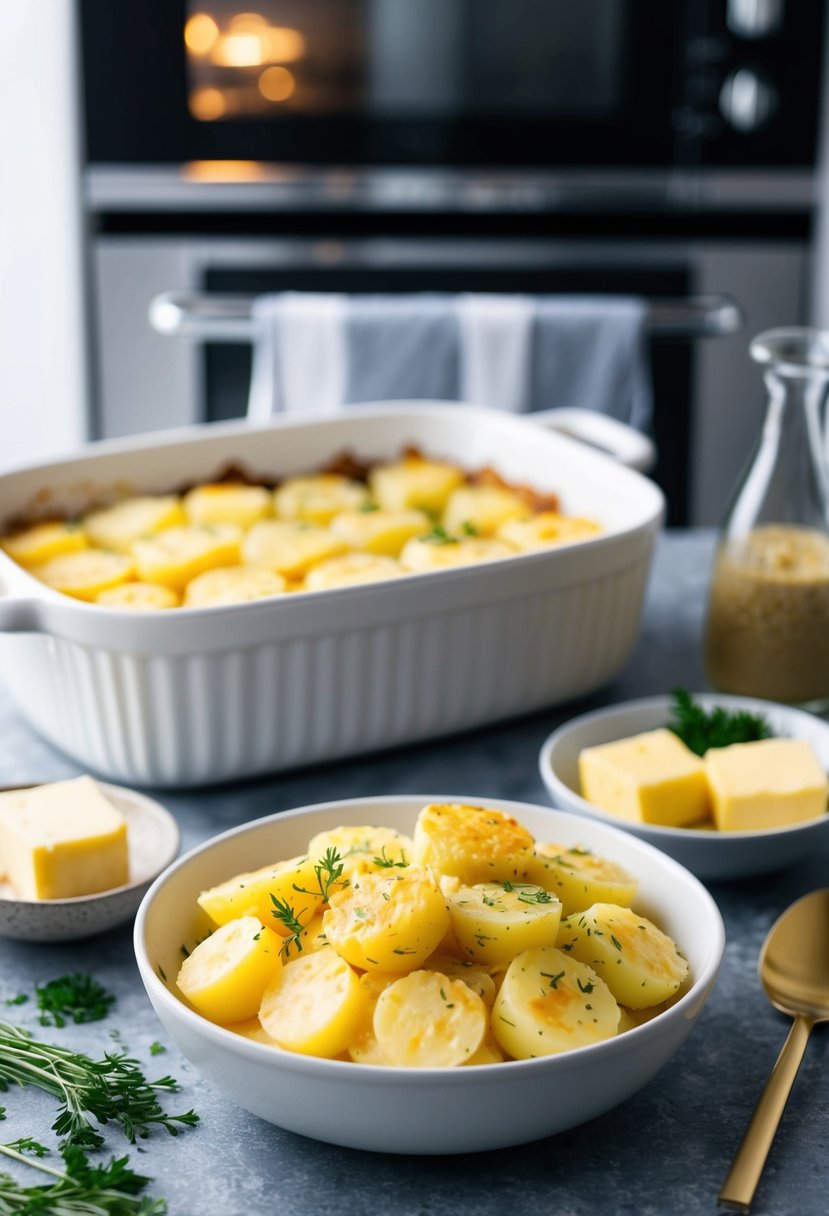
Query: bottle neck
x=788, y=479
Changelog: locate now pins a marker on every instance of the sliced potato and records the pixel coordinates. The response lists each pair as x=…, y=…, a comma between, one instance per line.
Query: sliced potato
x=227, y=503
x=225, y=975
x=350, y=569
x=547, y=528
x=253, y=1029
x=480, y=510
x=550, y=1002
x=580, y=878
x=318, y=498
x=489, y=1052
x=84, y=575
x=387, y=920
x=640, y=964
x=494, y=921
x=438, y=551
x=253, y=894
x=415, y=482
x=474, y=976
x=177, y=555
x=232, y=585
x=426, y=1020
x=363, y=848
x=289, y=548
x=364, y=1048
x=472, y=843
x=381, y=532
x=313, y=1005
x=118, y=526
x=138, y=597
x=40, y=543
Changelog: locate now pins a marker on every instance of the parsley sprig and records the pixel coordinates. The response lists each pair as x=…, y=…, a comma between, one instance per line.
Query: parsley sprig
x=79, y=1189
x=77, y=997
x=700, y=729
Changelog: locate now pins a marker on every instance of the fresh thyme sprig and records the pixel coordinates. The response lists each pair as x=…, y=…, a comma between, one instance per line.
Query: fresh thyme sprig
x=328, y=871
x=110, y=1090
x=388, y=863
x=701, y=729
x=77, y=997
x=528, y=892
x=79, y=1189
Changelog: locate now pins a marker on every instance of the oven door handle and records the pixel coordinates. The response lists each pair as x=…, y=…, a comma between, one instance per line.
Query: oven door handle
x=229, y=318
x=600, y=431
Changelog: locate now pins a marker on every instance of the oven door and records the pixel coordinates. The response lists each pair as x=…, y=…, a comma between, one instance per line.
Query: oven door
x=384, y=82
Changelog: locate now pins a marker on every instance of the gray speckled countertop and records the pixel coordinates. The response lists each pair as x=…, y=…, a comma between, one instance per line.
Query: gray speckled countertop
x=665, y=1151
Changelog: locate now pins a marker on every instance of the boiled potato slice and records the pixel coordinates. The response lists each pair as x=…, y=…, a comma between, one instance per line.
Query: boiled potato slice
x=387, y=920
x=253, y=1029
x=118, y=526
x=480, y=510
x=640, y=964
x=547, y=528
x=312, y=936
x=289, y=548
x=226, y=974
x=473, y=976
x=350, y=569
x=138, y=597
x=364, y=1048
x=313, y=1005
x=426, y=1020
x=40, y=543
x=84, y=575
x=363, y=848
x=472, y=843
x=232, y=585
x=488, y=1053
x=227, y=503
x=494, y=921
x=253, y=894
x=318, y=498
x=415, y=482
x=174, y=557
x=381, y=532
x=438, y=551
x=550, y=1002
x=580, y=878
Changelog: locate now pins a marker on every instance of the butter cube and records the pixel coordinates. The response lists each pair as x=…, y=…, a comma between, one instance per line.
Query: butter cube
x=649, y=778
x=766, y=784
x=62, y=840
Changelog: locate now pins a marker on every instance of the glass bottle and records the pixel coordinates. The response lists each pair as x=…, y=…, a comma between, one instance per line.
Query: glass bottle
x=767, y=632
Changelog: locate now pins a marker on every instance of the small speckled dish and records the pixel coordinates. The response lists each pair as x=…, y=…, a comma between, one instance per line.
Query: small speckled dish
x=153, y=840
x=705, y=852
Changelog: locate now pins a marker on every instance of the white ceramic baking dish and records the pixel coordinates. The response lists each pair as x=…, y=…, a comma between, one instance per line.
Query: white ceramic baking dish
x=200, y=695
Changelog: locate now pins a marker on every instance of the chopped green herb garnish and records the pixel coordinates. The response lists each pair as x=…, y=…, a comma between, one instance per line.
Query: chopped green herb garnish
x=388, y=863
x=616, y=942
x=285, y=913
x=469, y=528
x=586, y=988
x=439, y=536
x=700, y=729
x=76, y=998
x=553, y=978
x=20, y=999
x=157, y=1049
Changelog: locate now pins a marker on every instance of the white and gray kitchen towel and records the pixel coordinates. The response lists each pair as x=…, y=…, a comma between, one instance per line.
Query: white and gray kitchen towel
x=320, y=352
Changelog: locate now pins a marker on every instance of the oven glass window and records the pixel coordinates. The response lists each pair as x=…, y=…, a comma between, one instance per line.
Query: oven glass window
x=419, y=59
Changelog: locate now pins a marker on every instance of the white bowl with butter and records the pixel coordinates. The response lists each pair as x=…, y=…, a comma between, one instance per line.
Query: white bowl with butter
x=47, y=862
x=708, y=853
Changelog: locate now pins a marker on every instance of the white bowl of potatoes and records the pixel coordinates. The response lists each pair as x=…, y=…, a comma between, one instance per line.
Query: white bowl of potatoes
x=420, y=987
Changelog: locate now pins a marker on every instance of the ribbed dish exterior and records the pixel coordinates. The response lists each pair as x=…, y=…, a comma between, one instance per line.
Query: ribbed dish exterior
x=195, y=718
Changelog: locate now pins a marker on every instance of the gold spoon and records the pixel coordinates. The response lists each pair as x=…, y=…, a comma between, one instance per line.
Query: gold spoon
x=794, y=970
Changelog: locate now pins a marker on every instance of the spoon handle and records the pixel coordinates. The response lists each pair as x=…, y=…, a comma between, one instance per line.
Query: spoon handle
x=741, y=1183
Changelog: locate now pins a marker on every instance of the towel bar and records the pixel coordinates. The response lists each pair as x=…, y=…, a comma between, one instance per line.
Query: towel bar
x=228, y=318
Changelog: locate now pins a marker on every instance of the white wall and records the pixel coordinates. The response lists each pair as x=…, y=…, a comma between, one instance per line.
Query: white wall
x=43, y=365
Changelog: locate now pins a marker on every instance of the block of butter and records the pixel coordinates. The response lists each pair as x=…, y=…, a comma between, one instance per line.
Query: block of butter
x=648, y=778
x=766, y=784
x=62, y=840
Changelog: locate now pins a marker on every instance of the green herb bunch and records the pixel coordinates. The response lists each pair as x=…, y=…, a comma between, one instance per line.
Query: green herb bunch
x=701, y=729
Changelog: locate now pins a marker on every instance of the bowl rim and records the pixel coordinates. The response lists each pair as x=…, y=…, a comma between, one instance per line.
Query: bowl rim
x=220, y=1037
x=144, y=804
x=559, y=788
